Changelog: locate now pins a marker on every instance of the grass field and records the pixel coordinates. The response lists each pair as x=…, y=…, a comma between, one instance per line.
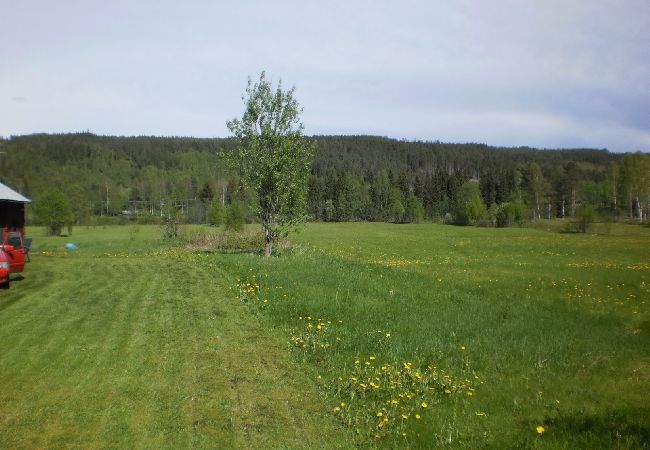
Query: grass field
x=358, y=335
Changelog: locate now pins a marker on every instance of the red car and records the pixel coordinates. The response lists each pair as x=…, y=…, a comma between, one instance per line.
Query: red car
x=14, y=248
x=12, y=255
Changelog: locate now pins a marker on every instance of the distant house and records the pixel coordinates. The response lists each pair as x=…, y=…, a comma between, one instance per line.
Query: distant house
x=12, y=211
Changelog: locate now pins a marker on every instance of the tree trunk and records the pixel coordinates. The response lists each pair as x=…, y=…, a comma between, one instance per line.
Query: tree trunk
x=268, y=242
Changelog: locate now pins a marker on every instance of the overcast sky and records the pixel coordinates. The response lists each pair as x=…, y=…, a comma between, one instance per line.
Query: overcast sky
x=503, y=72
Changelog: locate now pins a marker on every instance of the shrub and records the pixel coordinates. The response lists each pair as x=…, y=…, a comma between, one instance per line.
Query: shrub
x=509, y=213
x=414, y=211
x=170, y=227
x=211, y=240
x=469, y=206
x=584, y=218
x=54, y=211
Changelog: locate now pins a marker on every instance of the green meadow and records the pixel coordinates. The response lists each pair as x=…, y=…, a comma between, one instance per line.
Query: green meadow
x=353, y=335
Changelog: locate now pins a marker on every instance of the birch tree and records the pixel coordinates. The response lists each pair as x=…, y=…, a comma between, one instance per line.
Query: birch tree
x=272, y=156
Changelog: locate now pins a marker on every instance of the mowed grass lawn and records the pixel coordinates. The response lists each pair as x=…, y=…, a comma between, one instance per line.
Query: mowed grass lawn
x=126, y=343
x=372, y=335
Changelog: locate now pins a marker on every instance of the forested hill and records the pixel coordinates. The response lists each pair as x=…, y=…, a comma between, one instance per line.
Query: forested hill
x=370, y=154
x=353, y=177
x=360, y=154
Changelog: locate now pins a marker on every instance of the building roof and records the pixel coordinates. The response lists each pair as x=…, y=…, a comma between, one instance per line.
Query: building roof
x=9, y=195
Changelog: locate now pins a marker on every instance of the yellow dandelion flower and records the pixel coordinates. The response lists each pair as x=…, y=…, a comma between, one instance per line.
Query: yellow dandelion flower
x=380, y=414
x=417, y=417
x=337, y=409
x=424, y=404
x=405, y=417
x=540, y=429
x=343, y=404
x=480, y=413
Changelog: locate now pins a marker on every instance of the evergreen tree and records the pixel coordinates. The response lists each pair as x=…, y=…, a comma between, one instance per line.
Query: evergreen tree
x=216, y=213
x=235, y=216
x=396, y=208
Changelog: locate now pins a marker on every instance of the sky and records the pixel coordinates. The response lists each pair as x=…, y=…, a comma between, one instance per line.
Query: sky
x=546, y=74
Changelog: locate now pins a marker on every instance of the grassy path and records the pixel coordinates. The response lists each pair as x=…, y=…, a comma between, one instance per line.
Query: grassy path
x=146, y=352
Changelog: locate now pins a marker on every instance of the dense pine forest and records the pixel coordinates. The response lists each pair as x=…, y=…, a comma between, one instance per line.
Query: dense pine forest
x=354, y=178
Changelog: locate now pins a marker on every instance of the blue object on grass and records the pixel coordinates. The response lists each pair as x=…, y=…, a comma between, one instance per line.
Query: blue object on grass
x=71, y=246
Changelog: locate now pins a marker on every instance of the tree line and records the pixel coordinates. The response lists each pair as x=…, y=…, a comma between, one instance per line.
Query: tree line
x=353, y=178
